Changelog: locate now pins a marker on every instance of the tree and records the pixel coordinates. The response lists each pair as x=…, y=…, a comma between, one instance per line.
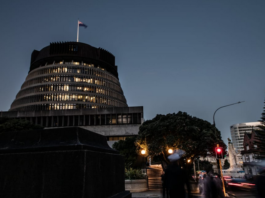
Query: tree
x=178, y=131
x=260, y=137
x=11, y=124
x=226, y=164
x=127, y=148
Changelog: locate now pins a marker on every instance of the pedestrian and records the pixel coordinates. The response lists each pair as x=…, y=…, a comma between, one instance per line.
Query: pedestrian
x=164, y=186
x=260, y=184
x=212, y=185
x=176, y=177
x=201, y=184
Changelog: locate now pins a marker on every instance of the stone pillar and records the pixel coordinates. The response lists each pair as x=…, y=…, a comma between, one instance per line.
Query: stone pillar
x=63, y=121
x=47, y=121
x=52, y=122
x=89, y=120
x=78, y=118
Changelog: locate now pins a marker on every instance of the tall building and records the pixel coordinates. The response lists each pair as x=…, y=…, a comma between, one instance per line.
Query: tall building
x=75, y=84
x=237, y=133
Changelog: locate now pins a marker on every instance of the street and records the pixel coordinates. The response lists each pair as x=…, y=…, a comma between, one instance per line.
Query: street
x=241, y=193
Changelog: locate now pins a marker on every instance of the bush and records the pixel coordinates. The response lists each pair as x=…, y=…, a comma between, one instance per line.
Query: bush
x=134, y=174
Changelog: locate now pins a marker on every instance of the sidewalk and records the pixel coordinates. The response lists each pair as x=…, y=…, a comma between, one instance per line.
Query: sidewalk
x=158, y=194
x=154, y=194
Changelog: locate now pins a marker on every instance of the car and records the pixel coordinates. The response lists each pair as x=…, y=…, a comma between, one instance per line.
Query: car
x=239, y=183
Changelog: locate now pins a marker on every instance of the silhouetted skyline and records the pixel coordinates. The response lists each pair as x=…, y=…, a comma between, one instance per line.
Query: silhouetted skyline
x=191, y=56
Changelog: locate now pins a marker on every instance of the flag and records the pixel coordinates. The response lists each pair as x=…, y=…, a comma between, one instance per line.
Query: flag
x=82, y=24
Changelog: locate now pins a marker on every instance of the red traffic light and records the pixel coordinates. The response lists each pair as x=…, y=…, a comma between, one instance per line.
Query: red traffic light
x=219, y=152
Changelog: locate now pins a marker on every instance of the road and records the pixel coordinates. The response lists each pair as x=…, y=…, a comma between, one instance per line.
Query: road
x=241, y=193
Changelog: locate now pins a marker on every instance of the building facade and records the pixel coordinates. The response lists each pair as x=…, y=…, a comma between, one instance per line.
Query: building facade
x=75, y=84
x=250, y=153
x=237, y=133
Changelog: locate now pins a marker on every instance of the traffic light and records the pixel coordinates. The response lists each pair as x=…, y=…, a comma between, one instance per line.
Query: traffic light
x=219, y=152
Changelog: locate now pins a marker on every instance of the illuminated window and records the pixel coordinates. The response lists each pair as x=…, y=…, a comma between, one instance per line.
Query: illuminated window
x=77, y=79
x=76, y=63
x=78, y=70
x=79, y=88
x=65, y=69
x=61, y=63
x=66, y=87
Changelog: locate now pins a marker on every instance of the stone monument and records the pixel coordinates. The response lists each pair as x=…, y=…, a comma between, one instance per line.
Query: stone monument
x=234, y=170
x=59, y=163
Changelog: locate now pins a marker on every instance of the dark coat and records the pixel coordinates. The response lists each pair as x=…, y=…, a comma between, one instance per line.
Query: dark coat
x=176, y=179
x=260, y=185
x=213, y=187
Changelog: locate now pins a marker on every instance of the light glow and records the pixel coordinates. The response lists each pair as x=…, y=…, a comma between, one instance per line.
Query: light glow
x=219, y=150
x=143, y=152
x=170, y=151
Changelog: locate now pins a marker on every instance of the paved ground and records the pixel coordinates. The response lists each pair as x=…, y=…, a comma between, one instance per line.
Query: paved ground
x=242, y=193
x=154, y=194
x=158, y=194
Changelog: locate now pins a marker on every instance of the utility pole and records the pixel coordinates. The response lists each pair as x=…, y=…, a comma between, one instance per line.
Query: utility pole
x=221, y=173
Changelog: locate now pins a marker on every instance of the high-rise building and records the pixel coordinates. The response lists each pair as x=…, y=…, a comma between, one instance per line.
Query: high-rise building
x=75, y=84
x=237, y=133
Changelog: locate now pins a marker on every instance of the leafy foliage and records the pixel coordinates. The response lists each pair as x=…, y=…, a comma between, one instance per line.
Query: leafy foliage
x=182, y=131
x=134, y=174
x=226, y=164
x=9, y=124
x=127, y=148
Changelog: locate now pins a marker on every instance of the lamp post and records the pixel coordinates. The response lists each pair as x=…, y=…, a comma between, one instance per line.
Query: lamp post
x=221, y=173
x=221, y=108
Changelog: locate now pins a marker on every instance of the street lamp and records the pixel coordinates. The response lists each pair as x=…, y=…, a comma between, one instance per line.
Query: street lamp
x=221, y=108
x=221, y=173
x=143, y=152
x=170, y=151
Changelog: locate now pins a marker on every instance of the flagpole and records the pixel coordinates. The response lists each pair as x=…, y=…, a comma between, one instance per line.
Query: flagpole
x=77, y=31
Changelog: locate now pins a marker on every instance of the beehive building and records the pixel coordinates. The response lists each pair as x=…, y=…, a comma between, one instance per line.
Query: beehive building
x=75, y=84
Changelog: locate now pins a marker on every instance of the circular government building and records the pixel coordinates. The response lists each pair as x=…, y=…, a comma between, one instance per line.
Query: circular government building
x=70, y=75
x=75, y=84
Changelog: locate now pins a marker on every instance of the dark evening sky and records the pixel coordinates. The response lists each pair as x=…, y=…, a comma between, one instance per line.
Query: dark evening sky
x=189, y=55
